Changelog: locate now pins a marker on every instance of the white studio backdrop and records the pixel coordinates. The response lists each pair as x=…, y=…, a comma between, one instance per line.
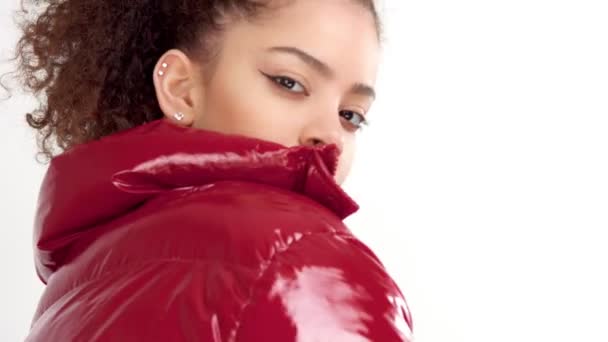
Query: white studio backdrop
x=483, y=178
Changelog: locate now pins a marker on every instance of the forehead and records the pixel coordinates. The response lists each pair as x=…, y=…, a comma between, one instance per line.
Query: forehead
x=340, y=33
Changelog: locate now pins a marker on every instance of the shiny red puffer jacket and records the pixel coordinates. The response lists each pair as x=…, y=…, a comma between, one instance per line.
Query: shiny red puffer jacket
x=165, y=233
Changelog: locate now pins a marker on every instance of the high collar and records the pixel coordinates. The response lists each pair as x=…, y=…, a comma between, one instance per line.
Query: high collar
x=100, y=180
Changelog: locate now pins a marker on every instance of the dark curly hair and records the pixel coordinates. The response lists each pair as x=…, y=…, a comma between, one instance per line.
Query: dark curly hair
x=90, y=62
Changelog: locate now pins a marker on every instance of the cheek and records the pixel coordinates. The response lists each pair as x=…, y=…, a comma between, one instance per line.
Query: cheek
x=245, y=106
x=227, y=106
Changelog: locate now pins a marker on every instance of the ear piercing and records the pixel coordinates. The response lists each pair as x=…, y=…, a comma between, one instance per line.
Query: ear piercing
x=179, y=116
x=162, y=72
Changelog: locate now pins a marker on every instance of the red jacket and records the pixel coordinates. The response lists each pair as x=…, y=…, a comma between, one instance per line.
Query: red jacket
x=165, y=233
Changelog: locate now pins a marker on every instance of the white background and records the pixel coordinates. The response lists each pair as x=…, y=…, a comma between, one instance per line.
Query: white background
x=483, y=178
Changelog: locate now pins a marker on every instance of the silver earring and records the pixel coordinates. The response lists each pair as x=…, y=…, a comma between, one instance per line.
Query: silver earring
x=162, y=72
x=179, y=116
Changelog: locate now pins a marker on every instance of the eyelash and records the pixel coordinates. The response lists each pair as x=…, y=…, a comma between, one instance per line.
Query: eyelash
x=362, y=121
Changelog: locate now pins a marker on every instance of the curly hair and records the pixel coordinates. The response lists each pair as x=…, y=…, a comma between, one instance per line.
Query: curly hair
x=90, y=62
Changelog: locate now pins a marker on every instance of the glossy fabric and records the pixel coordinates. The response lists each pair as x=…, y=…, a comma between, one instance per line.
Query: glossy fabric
x=165, y=233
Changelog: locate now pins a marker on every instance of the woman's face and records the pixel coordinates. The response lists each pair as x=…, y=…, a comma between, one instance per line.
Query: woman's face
x=303, y=75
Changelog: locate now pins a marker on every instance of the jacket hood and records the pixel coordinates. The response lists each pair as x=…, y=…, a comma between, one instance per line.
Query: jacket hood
x=101, y=180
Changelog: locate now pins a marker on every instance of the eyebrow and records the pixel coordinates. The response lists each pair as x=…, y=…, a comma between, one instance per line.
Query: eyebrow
x=323, y=69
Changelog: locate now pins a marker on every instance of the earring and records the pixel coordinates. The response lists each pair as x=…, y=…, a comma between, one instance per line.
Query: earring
x=179, y=116
x=162, y=72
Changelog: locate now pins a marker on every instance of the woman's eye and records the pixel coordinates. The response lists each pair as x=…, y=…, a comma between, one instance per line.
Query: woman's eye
x=357, y=120
x=288, y=83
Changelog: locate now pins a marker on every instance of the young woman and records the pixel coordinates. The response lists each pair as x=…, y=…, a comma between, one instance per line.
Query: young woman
x=196, y=196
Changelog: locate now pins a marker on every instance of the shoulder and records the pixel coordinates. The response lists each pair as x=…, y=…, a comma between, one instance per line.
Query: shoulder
x=324, y=286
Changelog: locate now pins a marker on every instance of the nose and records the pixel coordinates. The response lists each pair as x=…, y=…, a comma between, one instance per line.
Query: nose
x=322, y=134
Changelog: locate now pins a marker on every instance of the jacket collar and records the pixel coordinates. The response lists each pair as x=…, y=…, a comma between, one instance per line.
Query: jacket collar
x=95, y=182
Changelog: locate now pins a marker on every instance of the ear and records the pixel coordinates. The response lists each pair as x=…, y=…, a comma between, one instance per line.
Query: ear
x=177, y=84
